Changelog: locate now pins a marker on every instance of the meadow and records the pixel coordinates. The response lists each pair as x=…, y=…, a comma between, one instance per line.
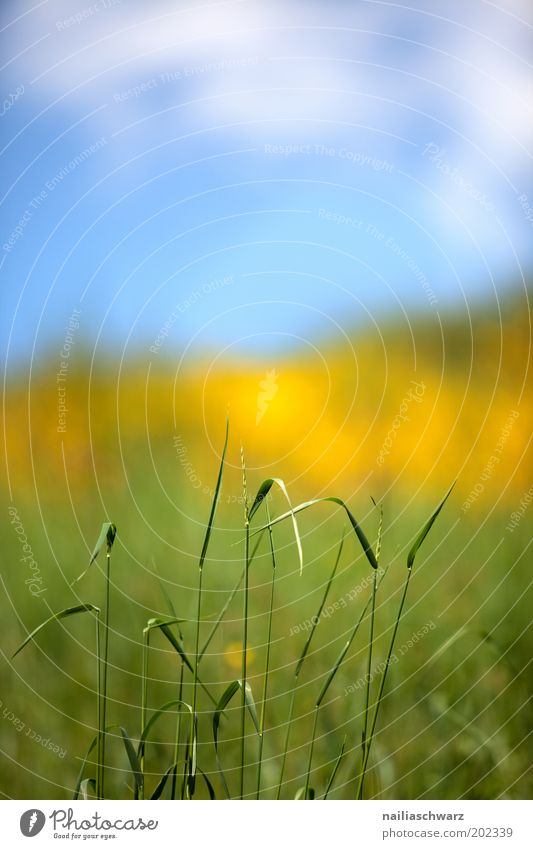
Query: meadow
x=386, y=419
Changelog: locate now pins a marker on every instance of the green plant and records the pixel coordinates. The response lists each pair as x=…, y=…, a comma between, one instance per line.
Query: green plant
x=183, y=774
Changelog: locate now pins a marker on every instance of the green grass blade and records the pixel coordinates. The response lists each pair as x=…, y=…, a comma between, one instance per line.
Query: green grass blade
x=63, y=614
x=426, y=529
x=410, y=560
x=164, y=592
x=153, y=719
x=192, y=760
x=225, y=699
x=347, y=645
x=335, y=768
x=177, y=644
x=215, y=499
x=88, y=788
x=79, y=780
x=230, y=598
x=250, y=704
x=162, y=782
x=367, y=548
x=134, y=762
x=107, y=538
x=262, y=493
x=319, y=611
x=159, y=623
x=264, y=694
x=311, y=750
x=302, y=792
x=210, y=788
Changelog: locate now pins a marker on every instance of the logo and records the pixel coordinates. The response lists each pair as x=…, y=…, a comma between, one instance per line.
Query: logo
x=32, y=822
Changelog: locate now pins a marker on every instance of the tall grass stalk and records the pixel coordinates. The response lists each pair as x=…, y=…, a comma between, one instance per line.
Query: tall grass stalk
x=311, y=749
x=199, y=606
x=245, y=622
x=371, y=636
x=105, y=663
x=144, y=686
x=366, y=751
x=233, y=593
x=300, y=662
x=98, y=710
x=267, y=664
x=173, y=787
x=344, y=651
x=172, y=612
x=335, y=768
x=410, y=562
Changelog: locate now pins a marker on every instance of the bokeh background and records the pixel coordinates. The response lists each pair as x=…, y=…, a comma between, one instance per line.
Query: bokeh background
x=315, y=218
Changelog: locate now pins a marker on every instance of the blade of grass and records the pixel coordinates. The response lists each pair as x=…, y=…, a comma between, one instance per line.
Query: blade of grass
x=153, y=719
x=347, y=645
x=262, y=493
x=105, y=661
x=225, y=699
x=300, y=662
x=351, y=518
x=134, y=763
x=87, y=787
x=231, y=596
x=107, y=538
x=63, y=614
x=311, y=748
x=79, y=780
x=335, y=768
x=410, y=561
x=199, y=599
x=267, y=662
x=371, y=635
x=244, y=655
x=173, y=614
x=178, y=645
x=300, y=794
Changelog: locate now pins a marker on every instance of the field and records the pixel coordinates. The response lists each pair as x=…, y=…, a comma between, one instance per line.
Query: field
x=396, y=416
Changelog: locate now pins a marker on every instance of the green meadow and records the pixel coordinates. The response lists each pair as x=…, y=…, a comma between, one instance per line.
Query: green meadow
x=448, y=670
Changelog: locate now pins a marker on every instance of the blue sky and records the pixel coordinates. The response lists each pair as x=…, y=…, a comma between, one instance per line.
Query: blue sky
x=247, y=173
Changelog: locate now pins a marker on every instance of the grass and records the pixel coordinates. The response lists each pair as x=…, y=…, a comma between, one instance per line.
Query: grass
x=192, y=757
